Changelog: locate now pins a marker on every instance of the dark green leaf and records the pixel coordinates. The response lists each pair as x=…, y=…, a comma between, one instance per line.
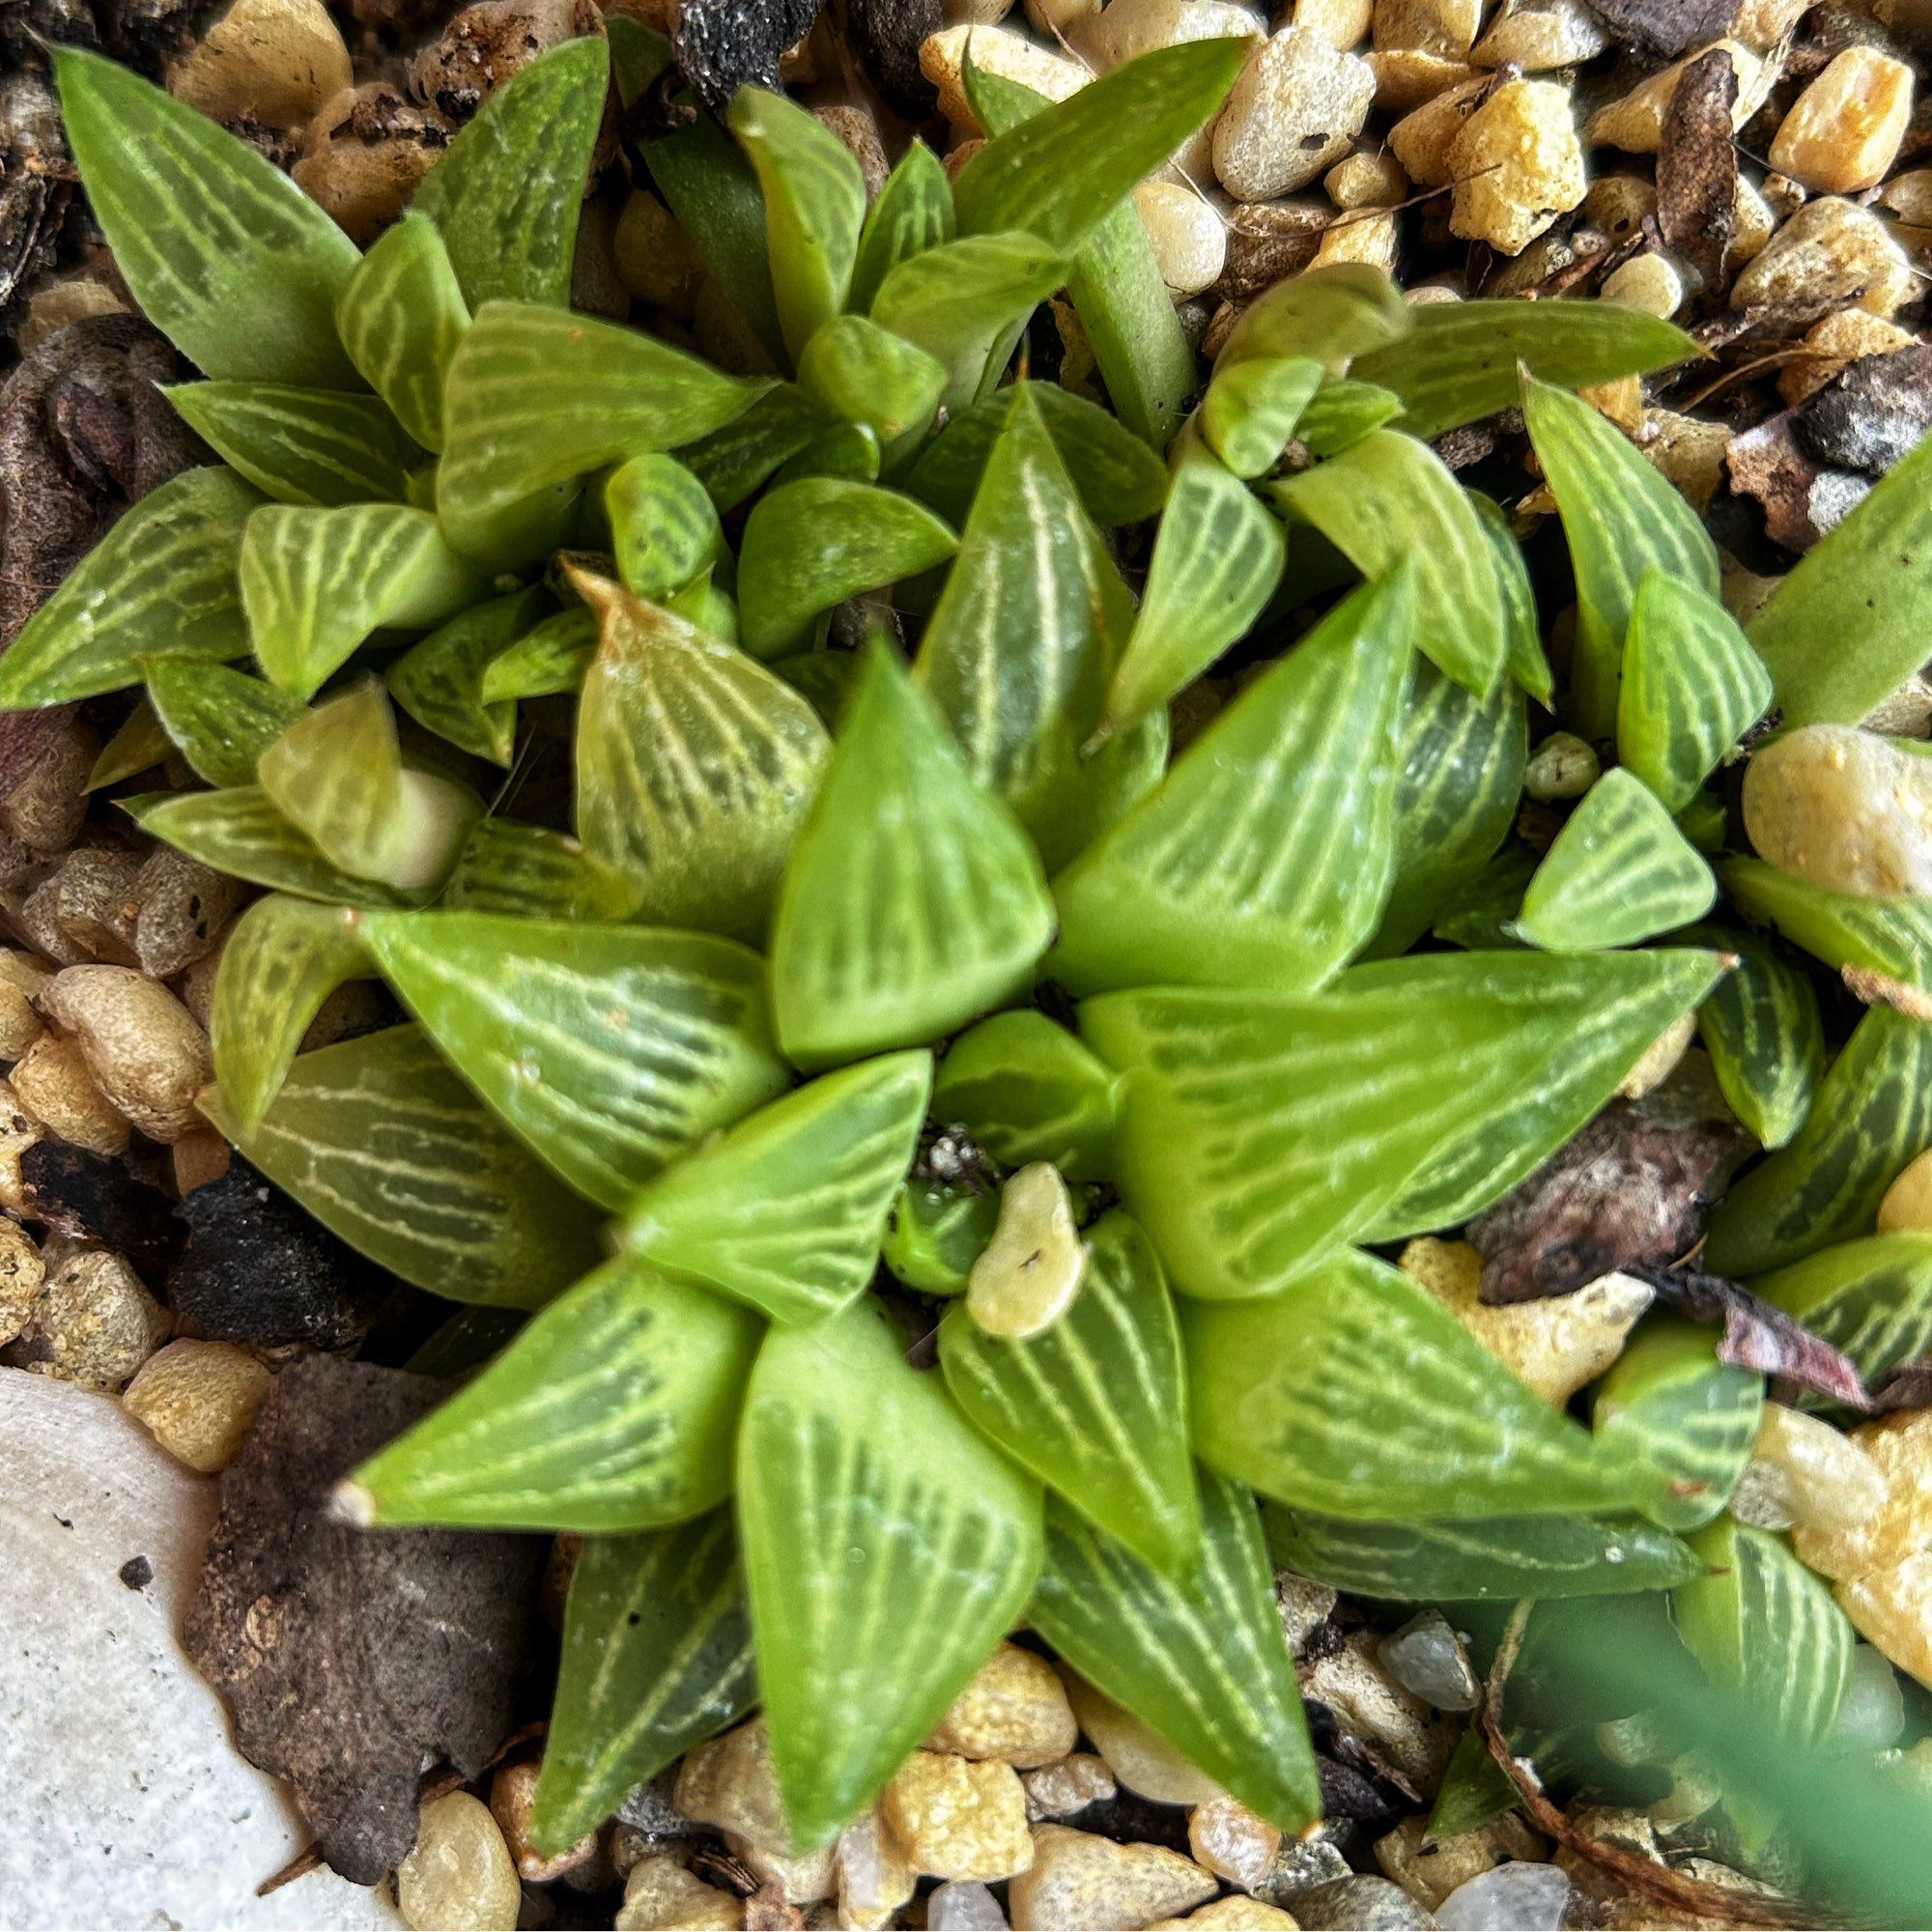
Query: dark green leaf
x=1343, y=411
x=440, y=681
x=912, y=213
x=300, y=446
x=1475, y=1789
x=1527, y=665
x=401, y=316
x=544, y=662
x=1762, y=1029
x=1890, y=936
x=1026, y=1089
x=733, y=461
x=1870, y=1297
x=664, y=528
x=507, y=866
x=139, y=745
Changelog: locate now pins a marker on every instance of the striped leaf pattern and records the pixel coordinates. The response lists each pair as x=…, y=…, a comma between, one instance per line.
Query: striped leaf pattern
x=1217, y=557
x=1025, y=1090
x=1871, y=1297
x=1693, y=686
x=439, y=681
x=786, y=1210
x=1095, y=1405
x=887, y=1551
x=1623, y=517
x=731, y=462
x=615, y=1408
x=1356, y=1393
x=1890, y=936
x=1262, y=857
x=314, y=582
x=400, y=317
x=1671, y=1405
x=1461, y=360
x=958, y=299
x=1388, y=498
x=1501, y=1559
x=159, y=583
x=1342, y=311
x=538, y=397
x=300, y=446
x=1619, y=871
x=867, y=375
x=220, y=720
x=505, y=198
x=789, y=573
x=386, y=1147
x=1763, y=1031
x=1343, y=411
x=1251, y=409
x=912, y=213
x=911, y=901
x=284, y=957
x=509, y=866
x=694, y=765
x=610, y=1050
x=657, y=1657
x=1258, y=1133
x=1201, y=1659
x=936, y=1231
x=1872, y=1115
x=546, y=662
x=814, y=207
x=1527, y=665
x=663, y=528
x=226, y=256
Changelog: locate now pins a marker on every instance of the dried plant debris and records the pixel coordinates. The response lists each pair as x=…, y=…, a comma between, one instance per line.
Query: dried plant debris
x=1697, y=170
x=1669, y=27
x=351, y=1658
x=95, y=1198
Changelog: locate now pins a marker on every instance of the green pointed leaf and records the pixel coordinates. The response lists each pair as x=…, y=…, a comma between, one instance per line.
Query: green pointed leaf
x=386, y=1147
x=1482, y=916
x=1475, y=1789
x=300, y=446
x=1202, y=1659
x=911, y=901
x=1390, y=497
x=1095, y=1405
x=1872, y=1115
x=1890, y=936
x=1217, y=558
x=657, y=1657
x=849, y=451
x=538, y=397
x=663, y=526
x=160, y=583
x=314, y=582
x=787, y=1209
x=1026, y=1089
x=867, y=375
x=440, y=681
x=1262, y=857
x=1618, y=872
x=401, y=315
x=958, y=299
x=220, y=720
x=1669, y=1404
x=1527, y=665
x=610, y=1050
x=1870, y=1297
x=1336, y=313
x=1344, y=1100
x=1763, y=1031
x=1251, y=409
x=733, y=461
x=812, y=544
x=508, y=866
x=814, y=206
x=1503, y=1559
x=1342, y=413
x=912, y=213
x=283, y=959
x=544, y=662
x=138, y=746
x=1356, y=1393
x=505, y=197
x=937, y=1231
x=694, y=765
x=1693, y=686
x=1623, y=517
x=887, y=1549
x=226, y=256
x=1460, y=360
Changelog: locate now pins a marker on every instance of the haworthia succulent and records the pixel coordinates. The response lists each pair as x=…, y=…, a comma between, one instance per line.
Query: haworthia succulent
x=1891, y=937
x=1618, y=872
x=139, y=745
x=300, y=446
x=548, y=660
x=786, y=1210
x=386, y=1147
x=1026, y=1089
x=663, y=529
x=505, y=866
x=1482, y=912
x=1335, y=313
x=937, y=1230
x=869, y=375
x=911, y=900
x=1251, y=409
x=1096, y=1405
x=615, y=1409
x=1262, y=857
x=732, y=461
x=401, y=315
x=1523, y=625
x=1762, y=1029
x=887, y=1549
x=609, y=1049
x=911, y=212
x=1342, y=413
x=1199, y=1658
x=439, y=680
x=1870, y=1297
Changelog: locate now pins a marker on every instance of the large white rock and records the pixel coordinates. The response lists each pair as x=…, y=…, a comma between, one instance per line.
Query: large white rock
x=127, y=1805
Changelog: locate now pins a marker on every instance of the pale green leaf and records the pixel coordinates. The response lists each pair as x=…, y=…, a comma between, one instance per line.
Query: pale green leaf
x=1764, y=1034
x=869, y=375
x=1523, y=621
x=221, y=720
x=300, y=446
x=1252, y=407
x=1890, y=936
x=1343, y=411
x=1335, y=313
x=845, y=450
x=1481, y=915
x=1025, y=1090
x=1870, y=1297
x=508, y=866
x=663, y=529
x=439, y=681
x=937, y=1230
x=544, y=662
x=401, y=316
x=912, y=213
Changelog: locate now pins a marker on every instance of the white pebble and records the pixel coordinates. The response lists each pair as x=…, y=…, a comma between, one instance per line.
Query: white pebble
x=1514, y=1898
x=963, y=1905
x=1426, y=1657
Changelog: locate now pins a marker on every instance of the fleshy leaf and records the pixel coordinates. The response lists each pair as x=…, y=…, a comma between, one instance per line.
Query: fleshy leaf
x=1619, y=871
x=1871, y=1297
x=887, y=1549
x=221, y=720
x=401, y=316
x=1258, y=1133
x=1873, y=1113
x=439, y=680
x=1890, y=936
x=1251, y=409
x=811, y=544
x=787, y=1209
x=912, y=213
x=1262, y=857
x=937, y=1230
x=300, y=446
x=733, y=461
x=386, y=1147
x=657, y=1657
x=957, y=300
x=138, y=745
x=544, y=662
x=1356, y=1393
x=664, y=528
x=1202, y=1659
x=505, y=866
x=505, y=197
x=160, y=583
x=1763, y=1031
x=694, y=765
x=224, y=253
x=1025, y=1090
x=1342, y=413
x=1623, y=518
x=869, y=375
x=1095, y=1404
x=1522, y=622
x=911, y=900
x=1335, y=313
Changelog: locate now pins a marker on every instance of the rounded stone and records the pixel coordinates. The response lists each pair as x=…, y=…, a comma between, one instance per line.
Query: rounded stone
x=1843, y=808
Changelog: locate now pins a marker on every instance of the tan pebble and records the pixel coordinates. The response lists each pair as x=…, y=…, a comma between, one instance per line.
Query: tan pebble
x=92, y=1322
x=1831, y=345
x=1303, y=1606
x=1427, y=295
x=143, y=1047
x=1907, y=199
x=1824, y=1479
x=1028, y=1274
x=1761, y=24
x=1051, y=17
x=1233, y=1842
x=996, y=50
x=1342, y=24
x=1831, y=250
x=1408, y=80
x=1634, y=122
x=1844, y=130
x=1233, y=1913
x=196, y=1399
x=1688, y=449
x=1542, y=34
x=654, y=256
x=459, y=1878
x=1429, y=1869
x=976, y=12
x=661, y=1897
x=1907, y=1204
x=513, y=1792
x=958, y=154
x=1619, y=204
x=1444, y=27
x=1366, y=180
x=1059, y=1790
x=184, y=905
x=1562, y=766
x=1190, y=243
x=1369, y=235
x=45, y=808
x=1290, y=115
x=58, y=305
x=22, y=978
x=1517, y=165
x=1369, y=1704
x=1422, y=140
x=19, y=1130
x=1079, y=1881
x=84, y=909
x=1905, y=712
x=365, y=153
x=1015, y=1708
x=490, y=43
x=1137, y=1755
x=1843, y=808
x=1651, y=282
x=874, y=1875
x=958, y=1818
x=1267, y=241
x=274, y=61
x=729, y=1781
x=1126, y=29
x=808, y=1878
x=858, y=128
x=23, y=1272
x=54, y=1084
x=199, y=1158
x=1755, y=225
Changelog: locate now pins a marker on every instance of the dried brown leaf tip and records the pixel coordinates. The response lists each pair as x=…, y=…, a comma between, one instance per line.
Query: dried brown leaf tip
x=1669, y=26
